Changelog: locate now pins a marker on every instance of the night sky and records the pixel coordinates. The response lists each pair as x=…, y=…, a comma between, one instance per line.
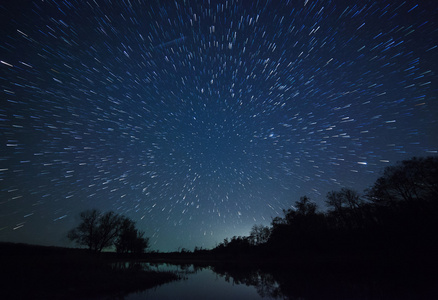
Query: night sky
x=199, y=119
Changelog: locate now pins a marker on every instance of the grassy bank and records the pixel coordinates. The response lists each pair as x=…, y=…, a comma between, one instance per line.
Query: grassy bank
x=37, y=272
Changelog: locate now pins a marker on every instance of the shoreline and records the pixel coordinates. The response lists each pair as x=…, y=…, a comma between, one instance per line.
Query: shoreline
x=39, y=272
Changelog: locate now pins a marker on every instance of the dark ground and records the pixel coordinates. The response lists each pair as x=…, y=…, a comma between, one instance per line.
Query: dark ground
x=38, y=272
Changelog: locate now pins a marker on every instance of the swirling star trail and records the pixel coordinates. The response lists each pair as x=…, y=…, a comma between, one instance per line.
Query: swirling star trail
x=198, y=119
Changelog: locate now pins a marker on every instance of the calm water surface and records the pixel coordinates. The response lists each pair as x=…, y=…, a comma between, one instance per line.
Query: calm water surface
x=199, y=283
x=231, y=281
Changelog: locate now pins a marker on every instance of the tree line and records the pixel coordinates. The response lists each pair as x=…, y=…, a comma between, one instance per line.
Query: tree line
x=397, y=215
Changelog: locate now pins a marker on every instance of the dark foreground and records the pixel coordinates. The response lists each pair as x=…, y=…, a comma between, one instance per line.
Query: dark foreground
x=37, y=272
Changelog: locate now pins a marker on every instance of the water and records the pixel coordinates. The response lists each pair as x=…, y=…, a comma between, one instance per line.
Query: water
x=199, y=283
x=236, y=281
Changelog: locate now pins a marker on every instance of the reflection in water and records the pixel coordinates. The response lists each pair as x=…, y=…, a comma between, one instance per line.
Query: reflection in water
x=265, y=283
x=233, y=281
x=200, y=282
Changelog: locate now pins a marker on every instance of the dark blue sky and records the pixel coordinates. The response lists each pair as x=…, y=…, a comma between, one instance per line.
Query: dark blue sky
x=199, y=119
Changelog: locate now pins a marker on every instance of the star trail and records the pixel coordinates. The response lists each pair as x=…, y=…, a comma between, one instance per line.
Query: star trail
x=199, y=119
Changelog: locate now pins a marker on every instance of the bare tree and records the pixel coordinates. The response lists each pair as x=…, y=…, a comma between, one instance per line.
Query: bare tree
x=346, y=198
x=344, y=205
x=131, y=240
x=109, y=228
x=98, y=231
x=87, y=233
x=409, y=180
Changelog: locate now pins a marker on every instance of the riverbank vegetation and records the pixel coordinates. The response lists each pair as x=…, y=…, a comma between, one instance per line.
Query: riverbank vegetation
x=396, y=218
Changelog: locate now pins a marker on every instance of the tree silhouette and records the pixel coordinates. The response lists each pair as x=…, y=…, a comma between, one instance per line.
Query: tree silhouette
x=98, y=231
x=344, y=207
x=259, y=234
x=346, y=198
x=130, y=240
x=87, y=233
x=409, y=180
x=109, y=228
x=305, y=206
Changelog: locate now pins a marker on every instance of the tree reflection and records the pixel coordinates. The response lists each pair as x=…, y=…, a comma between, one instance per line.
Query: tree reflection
x=265, y=283
x=329, y=282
